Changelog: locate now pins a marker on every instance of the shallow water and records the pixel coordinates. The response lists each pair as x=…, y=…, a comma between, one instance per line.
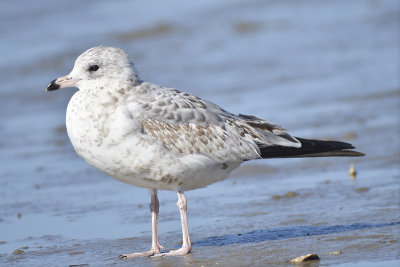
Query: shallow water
x=320, y=69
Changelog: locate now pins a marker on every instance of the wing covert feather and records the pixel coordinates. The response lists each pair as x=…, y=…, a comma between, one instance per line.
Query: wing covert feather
x=186, y=124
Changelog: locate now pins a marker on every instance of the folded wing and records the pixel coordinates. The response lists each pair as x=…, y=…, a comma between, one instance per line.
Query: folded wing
x=186, y=124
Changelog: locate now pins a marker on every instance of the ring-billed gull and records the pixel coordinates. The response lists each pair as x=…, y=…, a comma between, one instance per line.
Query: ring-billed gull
x=161, y=138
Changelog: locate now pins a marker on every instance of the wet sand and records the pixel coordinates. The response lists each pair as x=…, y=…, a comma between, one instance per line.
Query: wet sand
x=326, y=71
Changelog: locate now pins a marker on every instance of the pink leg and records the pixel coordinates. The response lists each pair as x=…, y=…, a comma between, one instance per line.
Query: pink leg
x=155, y=245
x=186, y=244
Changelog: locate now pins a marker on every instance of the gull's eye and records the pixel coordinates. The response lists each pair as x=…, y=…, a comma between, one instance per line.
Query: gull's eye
x=94, y=68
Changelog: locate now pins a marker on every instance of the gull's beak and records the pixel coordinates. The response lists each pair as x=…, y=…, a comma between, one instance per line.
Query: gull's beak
x=61, y=82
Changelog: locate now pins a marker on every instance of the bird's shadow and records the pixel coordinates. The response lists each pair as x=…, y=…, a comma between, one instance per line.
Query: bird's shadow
x=279, y=233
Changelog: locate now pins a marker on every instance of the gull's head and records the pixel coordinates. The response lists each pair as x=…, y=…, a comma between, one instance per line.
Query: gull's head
x=97, y=67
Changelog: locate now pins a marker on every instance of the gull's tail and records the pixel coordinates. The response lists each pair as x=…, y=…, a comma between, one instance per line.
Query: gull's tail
x=310, y=148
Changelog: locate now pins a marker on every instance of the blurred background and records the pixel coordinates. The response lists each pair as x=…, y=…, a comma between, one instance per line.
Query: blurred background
x=321, y=69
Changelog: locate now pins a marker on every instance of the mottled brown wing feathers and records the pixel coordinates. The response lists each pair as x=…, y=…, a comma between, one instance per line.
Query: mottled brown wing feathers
x=212, y=140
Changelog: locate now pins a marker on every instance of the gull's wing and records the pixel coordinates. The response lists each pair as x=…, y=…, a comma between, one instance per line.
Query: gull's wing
x=187, y=124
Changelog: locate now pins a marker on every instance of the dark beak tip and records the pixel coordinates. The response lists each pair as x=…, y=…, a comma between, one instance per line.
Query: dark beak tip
x=52, y=86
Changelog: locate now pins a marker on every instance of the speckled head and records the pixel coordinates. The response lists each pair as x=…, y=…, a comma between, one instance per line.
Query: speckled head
x=99, y=65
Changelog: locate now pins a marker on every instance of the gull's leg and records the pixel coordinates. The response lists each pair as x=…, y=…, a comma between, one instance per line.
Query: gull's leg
x=155, y=245
x=186, y=245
